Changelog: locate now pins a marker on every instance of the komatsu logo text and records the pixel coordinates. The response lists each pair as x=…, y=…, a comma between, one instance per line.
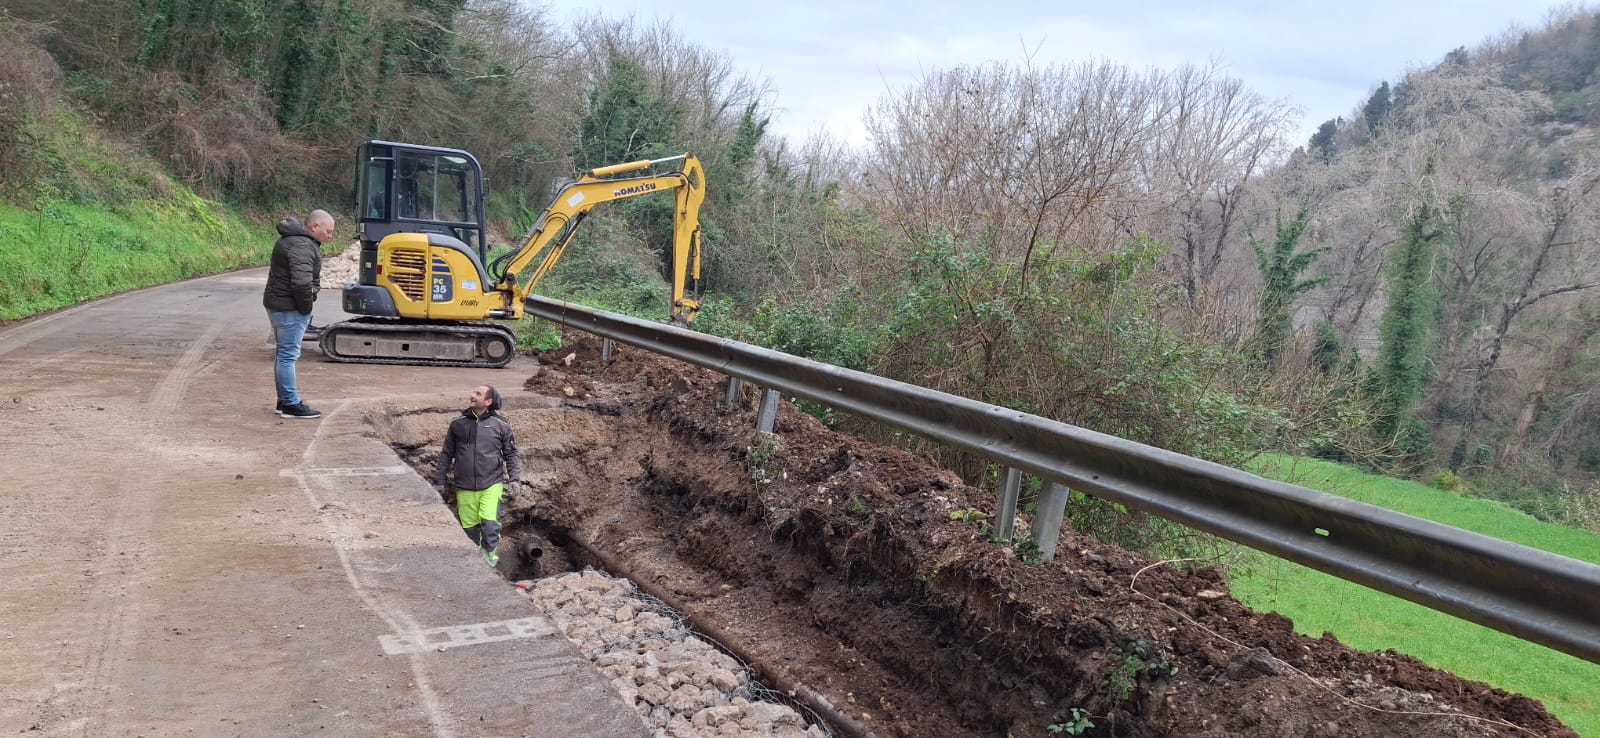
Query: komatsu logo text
x=634, y=190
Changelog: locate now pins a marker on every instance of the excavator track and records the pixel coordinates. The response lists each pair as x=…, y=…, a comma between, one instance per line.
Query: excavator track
x=418, y=343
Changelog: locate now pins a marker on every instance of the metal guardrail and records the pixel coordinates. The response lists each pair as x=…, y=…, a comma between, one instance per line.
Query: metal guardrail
x=1535, y=595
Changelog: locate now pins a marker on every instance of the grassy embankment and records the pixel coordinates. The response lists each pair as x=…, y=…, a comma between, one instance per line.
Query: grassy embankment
x=1363, y=618
x=60, y=253
x=94, y=219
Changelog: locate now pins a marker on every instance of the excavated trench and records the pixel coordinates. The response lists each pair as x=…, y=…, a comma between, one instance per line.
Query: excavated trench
x=855, y=575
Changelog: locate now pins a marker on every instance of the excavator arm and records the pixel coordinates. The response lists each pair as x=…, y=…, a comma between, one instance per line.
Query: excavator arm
x=550, y=236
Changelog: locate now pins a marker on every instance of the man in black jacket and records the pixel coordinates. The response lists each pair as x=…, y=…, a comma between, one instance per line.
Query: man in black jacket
x=479, y=461
x=292, y=284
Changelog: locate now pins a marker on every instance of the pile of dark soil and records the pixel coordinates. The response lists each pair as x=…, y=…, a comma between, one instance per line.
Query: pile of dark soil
x=854, y=570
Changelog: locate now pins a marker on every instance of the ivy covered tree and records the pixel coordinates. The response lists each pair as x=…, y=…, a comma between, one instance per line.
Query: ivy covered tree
x=192, y=36
x=733, y=172
x=1401, y=370
x=1281, y=268
x=299, y=63
x=625, y=120
x=1327, y=351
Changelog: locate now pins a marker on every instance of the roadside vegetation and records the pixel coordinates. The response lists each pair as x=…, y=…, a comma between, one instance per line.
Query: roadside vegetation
x=84, y=216
x=61, y=253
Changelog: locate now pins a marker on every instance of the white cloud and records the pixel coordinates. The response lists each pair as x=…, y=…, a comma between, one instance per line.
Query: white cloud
x=829, y=60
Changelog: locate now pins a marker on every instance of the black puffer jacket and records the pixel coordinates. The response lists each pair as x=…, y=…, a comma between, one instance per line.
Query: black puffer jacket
x=296, y=272
x=478, y=451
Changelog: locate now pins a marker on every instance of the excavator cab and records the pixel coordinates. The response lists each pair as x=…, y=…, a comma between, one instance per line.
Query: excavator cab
x=406, y=188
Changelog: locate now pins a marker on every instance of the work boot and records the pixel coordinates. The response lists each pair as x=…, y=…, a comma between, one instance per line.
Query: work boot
x=491, y=557
x=298, y=410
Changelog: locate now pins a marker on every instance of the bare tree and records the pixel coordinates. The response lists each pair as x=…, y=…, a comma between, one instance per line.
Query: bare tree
x=1553, y=268
x=1581, y=413
x=1016, y=160
x=1219, y=135
x=1566, y=354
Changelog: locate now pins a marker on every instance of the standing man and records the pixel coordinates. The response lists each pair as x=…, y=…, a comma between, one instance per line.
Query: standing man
x=479, y=461
x=292, y=284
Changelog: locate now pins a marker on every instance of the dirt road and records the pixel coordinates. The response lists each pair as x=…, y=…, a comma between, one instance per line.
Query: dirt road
x=180, y=560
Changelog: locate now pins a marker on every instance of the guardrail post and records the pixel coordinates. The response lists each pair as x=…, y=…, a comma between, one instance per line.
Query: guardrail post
x=605, y=350
x=767, y=416
x=1047, y=519
x=1005, y=525
x=735, y=393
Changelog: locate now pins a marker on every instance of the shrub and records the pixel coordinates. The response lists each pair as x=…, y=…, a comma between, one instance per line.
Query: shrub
x=1448, y=481
x=30, y=83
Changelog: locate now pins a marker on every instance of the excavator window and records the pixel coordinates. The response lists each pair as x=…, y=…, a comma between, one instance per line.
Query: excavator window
x=435, y=187
x=375, y=194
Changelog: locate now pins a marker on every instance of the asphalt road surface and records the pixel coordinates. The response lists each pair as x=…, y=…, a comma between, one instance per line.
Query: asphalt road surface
x=178, y=560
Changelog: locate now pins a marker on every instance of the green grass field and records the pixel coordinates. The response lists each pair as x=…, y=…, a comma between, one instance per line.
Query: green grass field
x=1370, y=620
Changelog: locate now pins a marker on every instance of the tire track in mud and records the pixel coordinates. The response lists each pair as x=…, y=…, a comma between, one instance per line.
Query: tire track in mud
x=29, y=332
x=127, y=544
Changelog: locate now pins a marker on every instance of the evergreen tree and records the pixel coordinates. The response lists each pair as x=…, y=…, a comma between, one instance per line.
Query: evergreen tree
x=1378, y=106
x=1280, y=285
x=625, y=122
x=1321, y=144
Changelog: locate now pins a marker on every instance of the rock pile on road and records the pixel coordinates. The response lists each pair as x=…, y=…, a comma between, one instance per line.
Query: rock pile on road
x=342, y=270
x=681, y=685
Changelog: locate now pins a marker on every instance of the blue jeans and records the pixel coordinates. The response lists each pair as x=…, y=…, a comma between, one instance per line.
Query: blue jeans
x=289, y=326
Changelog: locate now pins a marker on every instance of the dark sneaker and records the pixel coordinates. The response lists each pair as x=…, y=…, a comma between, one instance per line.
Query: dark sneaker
x=279, y=408
x=300, y=410
x=313, y=332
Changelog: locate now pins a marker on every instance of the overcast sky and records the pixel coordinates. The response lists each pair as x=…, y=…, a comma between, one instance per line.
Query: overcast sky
x=827, y=60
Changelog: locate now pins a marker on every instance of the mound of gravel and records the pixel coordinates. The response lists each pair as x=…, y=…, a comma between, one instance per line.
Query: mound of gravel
x=680, y=684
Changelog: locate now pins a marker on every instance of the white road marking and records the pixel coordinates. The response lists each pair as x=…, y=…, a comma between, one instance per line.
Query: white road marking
x=397, y=618
x=344, y=471
x=453, y=636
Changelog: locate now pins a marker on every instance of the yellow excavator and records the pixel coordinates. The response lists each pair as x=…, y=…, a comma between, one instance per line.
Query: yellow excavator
x=427, y=293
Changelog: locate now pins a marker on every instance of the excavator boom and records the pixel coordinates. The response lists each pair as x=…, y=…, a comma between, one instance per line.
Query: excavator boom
x=547, y=241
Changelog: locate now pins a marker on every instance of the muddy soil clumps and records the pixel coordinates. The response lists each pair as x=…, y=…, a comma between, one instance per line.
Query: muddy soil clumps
x=857, y=571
